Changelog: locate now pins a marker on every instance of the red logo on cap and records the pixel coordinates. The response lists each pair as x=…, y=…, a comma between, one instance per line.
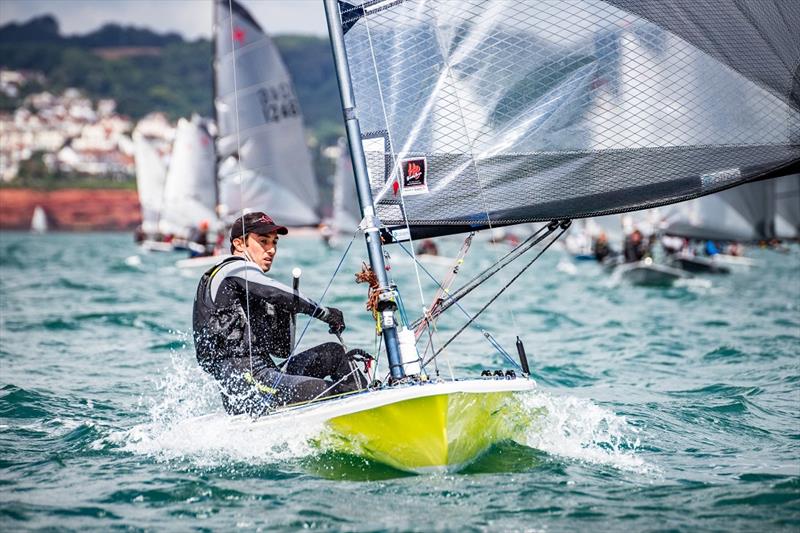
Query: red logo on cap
x=265, y=218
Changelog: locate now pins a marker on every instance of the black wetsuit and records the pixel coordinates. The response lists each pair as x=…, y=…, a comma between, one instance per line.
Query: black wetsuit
x=239, y=353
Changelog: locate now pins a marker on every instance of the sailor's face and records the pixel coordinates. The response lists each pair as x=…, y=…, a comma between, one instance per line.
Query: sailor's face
x=262, y=249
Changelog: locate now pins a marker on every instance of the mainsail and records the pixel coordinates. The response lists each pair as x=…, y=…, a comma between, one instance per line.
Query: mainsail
x=480, y=113
x=151, y=174
x=265, y=164
x=190, y=188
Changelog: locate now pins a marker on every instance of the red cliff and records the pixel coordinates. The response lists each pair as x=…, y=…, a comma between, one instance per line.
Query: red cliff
x=71, y=209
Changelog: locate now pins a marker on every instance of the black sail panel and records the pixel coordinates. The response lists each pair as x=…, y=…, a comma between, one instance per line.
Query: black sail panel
x=487, y=113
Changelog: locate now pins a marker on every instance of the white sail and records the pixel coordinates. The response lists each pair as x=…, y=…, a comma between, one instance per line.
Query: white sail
x=787, y=207
x=151, y=174
x=190, y=189
x=265, y=162
x=346, y=212
x=744, y=213
x=500, y=113
x=39, y=220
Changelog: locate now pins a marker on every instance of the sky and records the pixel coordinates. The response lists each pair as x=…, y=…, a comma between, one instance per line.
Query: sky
x=190, y=18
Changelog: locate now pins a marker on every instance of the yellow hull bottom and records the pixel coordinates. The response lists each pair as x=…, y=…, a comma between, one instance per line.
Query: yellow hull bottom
x=438, y=432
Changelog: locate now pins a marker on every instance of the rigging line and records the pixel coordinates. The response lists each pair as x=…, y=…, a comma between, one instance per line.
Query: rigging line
x=241, y=186
x=468, y=287
x=430, y=327
x=489, y=337
x=353, y=370
x=448, y=282
x=391, y=146
x=564, y=226
x=318, y=304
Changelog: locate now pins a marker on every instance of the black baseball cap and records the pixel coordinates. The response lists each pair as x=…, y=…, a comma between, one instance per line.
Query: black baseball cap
x=257, y=222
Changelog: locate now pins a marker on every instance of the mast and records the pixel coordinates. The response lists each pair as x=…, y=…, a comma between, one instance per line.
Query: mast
x=371, y=223
x=214, y=30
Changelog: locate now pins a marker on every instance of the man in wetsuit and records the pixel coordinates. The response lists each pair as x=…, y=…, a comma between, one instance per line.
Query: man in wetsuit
x=242, y=319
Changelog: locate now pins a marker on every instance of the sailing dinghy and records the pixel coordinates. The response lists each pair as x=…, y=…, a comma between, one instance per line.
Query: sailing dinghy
x=472, y=114
x=39, y=220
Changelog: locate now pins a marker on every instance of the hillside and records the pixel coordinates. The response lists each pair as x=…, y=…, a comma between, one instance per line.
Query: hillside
x=146, y=71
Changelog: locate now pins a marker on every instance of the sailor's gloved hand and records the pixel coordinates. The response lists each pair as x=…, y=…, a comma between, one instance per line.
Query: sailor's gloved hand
x=335, y=319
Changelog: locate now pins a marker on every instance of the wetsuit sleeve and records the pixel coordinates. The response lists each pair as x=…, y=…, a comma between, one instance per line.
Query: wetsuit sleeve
x=277, y=294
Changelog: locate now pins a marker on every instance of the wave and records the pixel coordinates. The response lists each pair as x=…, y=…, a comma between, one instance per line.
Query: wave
x=186, y=423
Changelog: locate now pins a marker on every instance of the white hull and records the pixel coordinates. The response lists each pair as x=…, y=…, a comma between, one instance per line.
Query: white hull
x=157, y=246
x=648, y=273
x=734, y=260
x=201, y=262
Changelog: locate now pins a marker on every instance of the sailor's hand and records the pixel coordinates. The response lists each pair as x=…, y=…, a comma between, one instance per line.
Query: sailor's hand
x=335, y=319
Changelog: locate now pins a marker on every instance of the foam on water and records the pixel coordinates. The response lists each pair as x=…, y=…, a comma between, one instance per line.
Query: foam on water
x=578, y=429
x=186, y=422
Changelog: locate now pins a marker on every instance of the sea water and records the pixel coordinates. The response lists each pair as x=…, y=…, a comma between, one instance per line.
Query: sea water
x=657, y=408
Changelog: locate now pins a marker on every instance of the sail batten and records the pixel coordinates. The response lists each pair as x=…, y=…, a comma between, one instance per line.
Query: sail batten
x=496, y=112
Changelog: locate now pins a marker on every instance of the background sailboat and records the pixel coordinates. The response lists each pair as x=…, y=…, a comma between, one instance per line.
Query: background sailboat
x=39, y=220
x=151, y=174
x=264, y=162
x=190, y=189
x=346, y=214
x=787, y=207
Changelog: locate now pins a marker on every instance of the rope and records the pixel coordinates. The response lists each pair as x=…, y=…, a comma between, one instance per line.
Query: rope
x=486, y=334
x=444, y=288
x=564, y=226
x=452, y=299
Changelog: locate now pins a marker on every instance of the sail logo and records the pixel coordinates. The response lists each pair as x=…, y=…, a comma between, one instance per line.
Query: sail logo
x=414, y=172
x=278, y=102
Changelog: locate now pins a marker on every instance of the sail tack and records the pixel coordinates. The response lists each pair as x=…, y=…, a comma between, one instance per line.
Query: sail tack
x=482, y=113
x=265, y=164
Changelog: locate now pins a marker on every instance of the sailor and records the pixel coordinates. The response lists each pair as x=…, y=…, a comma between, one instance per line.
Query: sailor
x=602, y=250
x=635, y=248
x=198, y=241
x=243, y=320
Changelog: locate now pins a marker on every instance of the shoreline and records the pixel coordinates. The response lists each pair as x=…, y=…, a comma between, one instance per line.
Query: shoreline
x=71, y=209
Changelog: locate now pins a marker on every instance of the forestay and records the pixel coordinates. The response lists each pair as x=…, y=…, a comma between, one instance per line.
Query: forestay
x=261, y=144
x=481, y=113
x=190, y=189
